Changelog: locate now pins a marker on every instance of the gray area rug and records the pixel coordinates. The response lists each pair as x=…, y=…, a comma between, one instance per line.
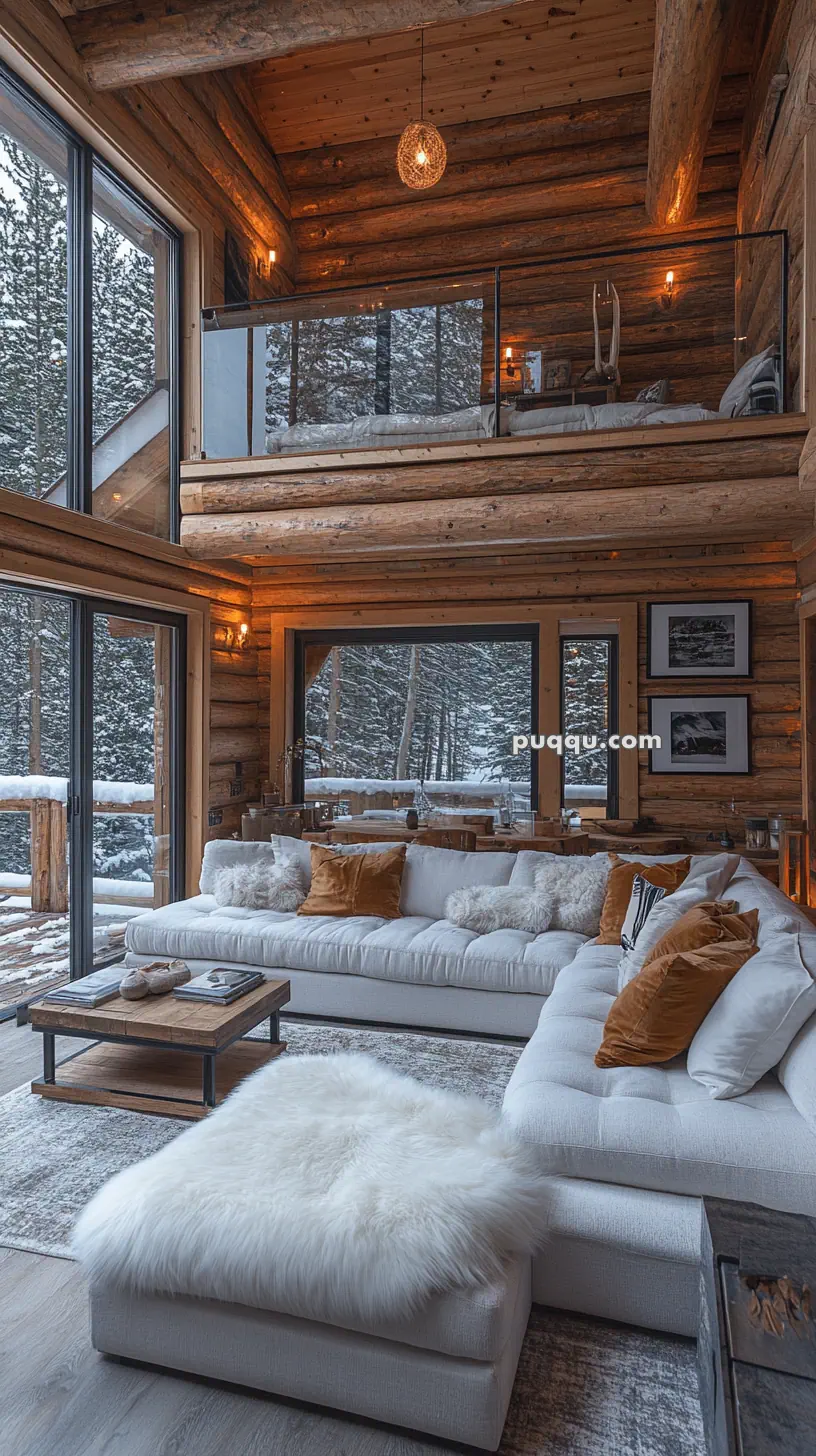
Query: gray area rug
x=584, y=1387
x=54, y=1155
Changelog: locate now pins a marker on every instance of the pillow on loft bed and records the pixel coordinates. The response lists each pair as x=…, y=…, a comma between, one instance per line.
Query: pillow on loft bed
x=657, y=393
x=760, y=369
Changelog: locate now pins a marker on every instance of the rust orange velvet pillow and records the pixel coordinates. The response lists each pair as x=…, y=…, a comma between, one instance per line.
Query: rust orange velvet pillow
x=619, y=891
x=657, y=1015
x=355, y=884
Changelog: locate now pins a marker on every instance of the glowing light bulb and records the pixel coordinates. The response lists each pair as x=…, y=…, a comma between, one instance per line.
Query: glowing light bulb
x=421, y=157
x=273, y=257
x=508, y=353
x=669, y=279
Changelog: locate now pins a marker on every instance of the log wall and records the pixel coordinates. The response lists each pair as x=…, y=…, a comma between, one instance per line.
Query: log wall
x=694, y=804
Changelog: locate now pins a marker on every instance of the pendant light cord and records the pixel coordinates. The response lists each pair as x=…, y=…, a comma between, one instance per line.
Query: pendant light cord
x=421, y=74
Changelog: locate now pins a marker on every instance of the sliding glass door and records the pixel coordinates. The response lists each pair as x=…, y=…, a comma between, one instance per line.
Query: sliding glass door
x=91, y=782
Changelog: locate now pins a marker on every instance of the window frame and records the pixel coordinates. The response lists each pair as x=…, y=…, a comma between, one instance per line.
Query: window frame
x=519, y=631
x=83, y=161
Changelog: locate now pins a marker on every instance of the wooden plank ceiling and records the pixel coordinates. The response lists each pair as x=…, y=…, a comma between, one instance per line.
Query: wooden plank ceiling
x=508, y=61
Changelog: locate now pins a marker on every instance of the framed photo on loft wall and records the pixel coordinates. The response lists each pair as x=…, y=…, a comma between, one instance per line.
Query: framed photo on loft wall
x=700, y=735
x=698, y=639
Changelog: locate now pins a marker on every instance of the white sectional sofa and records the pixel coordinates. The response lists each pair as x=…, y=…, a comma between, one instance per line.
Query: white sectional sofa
x=630, y=1151
x=416, y=971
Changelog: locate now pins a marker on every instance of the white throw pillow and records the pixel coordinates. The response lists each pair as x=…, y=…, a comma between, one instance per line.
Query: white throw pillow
x=223, y=853
x=706, y=880
x=484, y=908
x=642, y=902
x=753, y=1022
x=575, y=893
x=261, y=886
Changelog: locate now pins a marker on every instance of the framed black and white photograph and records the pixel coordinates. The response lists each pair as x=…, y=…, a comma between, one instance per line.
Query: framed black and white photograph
x=700, y=735
x=699, y=639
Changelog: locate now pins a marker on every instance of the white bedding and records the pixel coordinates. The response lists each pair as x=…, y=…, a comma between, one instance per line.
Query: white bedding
x=568, y=419
x=477, y=423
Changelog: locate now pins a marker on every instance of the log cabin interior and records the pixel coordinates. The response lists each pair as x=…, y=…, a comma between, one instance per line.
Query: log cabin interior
x=476, y=435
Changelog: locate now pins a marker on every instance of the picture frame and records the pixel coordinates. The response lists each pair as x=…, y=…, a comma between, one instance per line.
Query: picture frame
x=699, y=639
x=701, y=734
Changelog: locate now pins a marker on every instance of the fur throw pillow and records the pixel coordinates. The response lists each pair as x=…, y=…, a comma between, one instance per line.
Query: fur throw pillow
x=574, y=891
x=495, y=907
x=279, y=886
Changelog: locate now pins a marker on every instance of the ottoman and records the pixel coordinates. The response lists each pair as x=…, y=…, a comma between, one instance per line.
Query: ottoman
x=448, y=1371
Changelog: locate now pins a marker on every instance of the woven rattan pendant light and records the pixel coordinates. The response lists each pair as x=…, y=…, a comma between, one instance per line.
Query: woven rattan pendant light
x=421, y=152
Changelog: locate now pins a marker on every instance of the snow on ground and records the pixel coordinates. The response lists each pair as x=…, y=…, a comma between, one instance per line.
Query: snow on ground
x=465, y=788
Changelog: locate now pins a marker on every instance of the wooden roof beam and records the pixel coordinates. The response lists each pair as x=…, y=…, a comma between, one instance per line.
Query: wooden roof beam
x=133, y=41
x=691, y=42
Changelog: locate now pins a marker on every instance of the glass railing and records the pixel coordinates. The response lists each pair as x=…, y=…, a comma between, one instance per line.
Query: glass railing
x=672, y=333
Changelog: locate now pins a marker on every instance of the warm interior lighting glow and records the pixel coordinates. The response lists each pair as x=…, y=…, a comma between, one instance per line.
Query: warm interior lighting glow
x=421, y=157
x=508, y=353
x=669, y=279
x=667, y=293
x=243, y=634
x=273, y=257
x=117, y=495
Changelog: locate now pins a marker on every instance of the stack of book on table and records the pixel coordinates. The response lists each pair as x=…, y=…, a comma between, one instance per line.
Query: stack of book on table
x=220, y=987
x=92, y=990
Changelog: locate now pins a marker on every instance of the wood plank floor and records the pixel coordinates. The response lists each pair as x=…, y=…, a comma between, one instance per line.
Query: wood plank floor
x=59, y=1398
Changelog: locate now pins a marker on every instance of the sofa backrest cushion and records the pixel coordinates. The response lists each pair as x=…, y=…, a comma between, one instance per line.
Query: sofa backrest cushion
x=430, y=875
x=527, y=861
x=707, y=880
x=797, y=1071
x=222, y=854
x=773, y=905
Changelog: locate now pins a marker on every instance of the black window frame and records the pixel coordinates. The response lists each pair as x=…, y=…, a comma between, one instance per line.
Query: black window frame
x=613, y=715
x=475, y=632
x=83, y=611
x=83, y=161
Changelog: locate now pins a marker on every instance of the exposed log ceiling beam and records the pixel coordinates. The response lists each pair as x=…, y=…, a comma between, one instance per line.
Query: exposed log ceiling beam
x=143, y=40
x=691, y=43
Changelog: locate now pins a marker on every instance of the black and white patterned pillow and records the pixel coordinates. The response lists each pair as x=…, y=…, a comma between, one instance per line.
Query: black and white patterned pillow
x=656, y=393
x=642, y=901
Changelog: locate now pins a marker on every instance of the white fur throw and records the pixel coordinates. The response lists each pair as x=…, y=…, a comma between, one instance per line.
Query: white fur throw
x=264, y=886
x=495, y=907
x=324, y=1186
x=575, y=891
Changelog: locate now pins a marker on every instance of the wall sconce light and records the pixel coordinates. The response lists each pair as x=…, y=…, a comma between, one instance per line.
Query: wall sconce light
x=508, y=362
x=667, y=295
x=232, y=639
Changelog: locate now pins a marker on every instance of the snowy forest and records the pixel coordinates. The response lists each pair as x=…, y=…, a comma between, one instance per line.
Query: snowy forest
x=423, y=360
x=33, y=453
x=34, y=323
x=34, y=725
x=446, y=710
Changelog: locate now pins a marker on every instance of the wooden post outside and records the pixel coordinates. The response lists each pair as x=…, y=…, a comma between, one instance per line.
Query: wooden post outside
x=49, y=856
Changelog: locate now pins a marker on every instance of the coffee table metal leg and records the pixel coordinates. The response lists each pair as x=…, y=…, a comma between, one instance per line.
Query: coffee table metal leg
x=208, y=1079
x=49, y=1069
x=274, y=1027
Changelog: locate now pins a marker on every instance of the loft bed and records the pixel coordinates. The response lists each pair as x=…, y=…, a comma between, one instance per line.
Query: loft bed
x=525, y=350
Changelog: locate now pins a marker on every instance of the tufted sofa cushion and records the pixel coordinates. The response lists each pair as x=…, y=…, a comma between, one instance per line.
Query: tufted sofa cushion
x=414, y=948
x=649, y=1127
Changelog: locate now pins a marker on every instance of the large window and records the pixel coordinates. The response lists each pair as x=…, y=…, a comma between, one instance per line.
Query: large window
x=91, y=792
x=89, y=300
x=382, y=713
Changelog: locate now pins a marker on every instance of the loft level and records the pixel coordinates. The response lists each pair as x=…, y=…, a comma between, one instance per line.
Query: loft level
x=697, y=481
x=688, y=331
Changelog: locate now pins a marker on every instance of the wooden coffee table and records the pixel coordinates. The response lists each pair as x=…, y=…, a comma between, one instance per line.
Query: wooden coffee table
x=145, y=1055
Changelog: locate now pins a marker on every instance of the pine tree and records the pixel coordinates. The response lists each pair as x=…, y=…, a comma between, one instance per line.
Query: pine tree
x=33, y=323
